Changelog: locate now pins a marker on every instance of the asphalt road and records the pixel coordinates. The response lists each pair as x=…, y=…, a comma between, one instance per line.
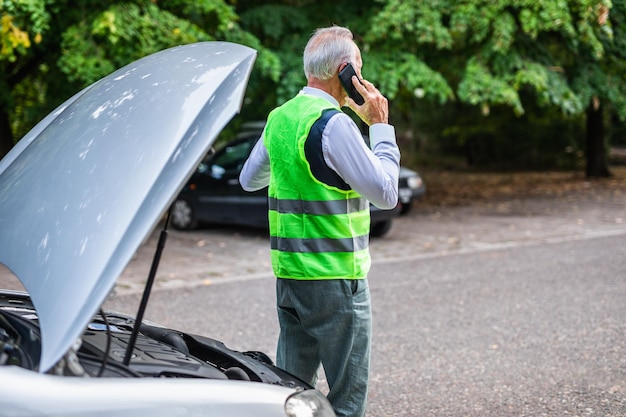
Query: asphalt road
x=511, y=309
x=532, y=330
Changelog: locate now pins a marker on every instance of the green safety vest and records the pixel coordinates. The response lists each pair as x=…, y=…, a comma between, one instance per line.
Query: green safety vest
x=319, y=226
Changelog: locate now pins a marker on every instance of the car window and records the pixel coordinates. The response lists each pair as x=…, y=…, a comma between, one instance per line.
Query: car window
x=230, y=158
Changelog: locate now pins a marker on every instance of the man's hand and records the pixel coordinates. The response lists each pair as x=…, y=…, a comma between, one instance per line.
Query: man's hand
x=375, y=109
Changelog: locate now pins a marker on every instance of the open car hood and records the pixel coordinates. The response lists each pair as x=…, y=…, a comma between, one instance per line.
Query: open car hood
x=82, y=190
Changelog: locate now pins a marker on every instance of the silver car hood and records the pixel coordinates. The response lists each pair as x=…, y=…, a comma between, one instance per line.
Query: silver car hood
x=82, y=190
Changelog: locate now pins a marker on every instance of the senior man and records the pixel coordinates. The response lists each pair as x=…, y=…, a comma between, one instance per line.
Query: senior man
x=322, y=176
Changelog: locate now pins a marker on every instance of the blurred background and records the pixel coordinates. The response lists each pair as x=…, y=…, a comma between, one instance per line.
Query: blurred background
x=507, y=96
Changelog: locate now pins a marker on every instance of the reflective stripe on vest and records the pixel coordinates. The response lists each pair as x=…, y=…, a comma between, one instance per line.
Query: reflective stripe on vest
x=320, y=208
x=319, y=245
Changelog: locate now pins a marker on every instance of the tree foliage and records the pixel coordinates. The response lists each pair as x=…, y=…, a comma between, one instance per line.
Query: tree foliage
x=500, y=48
x=21, y=24
x=111, y=38
x=514, y=53
x=484, y=58
x=52, y=48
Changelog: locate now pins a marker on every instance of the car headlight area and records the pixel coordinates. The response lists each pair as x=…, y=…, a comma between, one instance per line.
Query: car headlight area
x=308, y=403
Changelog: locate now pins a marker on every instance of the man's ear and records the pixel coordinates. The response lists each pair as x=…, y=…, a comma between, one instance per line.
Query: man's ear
x=342, y=66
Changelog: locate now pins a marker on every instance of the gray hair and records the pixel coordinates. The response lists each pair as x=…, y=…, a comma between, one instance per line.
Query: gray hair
x=327, y=49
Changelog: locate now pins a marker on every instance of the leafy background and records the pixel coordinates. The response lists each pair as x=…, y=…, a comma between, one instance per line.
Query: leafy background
x=474, y=85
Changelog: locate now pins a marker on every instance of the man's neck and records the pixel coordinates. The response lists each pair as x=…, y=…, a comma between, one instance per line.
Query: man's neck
x=332, y=87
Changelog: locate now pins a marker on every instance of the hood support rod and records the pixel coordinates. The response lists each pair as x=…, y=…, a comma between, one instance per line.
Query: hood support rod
x=147, y=290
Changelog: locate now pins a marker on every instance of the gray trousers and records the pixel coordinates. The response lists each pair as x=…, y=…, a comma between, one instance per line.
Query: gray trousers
x=327, y=323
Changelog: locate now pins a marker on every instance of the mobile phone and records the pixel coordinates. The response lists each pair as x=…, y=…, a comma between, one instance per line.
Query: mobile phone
x=345, y=76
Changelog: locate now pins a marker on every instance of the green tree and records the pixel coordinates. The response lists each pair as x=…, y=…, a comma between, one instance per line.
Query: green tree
x=53, y=48
x=285, y=27
x=22, y=25
x=567, y=54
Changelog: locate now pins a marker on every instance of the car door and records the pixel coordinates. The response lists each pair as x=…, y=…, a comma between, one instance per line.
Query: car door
x=220, y=197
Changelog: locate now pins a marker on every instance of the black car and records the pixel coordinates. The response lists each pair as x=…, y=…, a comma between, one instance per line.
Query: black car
x=214, y=195
x=411, y=188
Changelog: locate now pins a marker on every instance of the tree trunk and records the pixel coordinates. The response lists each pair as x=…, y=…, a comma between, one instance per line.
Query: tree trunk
x=6, y=135
x=596, y=150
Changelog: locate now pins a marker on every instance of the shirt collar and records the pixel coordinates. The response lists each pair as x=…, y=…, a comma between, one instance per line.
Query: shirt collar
x=312, y=91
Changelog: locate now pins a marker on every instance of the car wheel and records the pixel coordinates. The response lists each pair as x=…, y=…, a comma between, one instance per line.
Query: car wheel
x=183, y=215
x=380, y=229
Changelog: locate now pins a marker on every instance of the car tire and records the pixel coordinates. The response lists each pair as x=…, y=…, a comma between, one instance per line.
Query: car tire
x=184, y=215
x=380, y=229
